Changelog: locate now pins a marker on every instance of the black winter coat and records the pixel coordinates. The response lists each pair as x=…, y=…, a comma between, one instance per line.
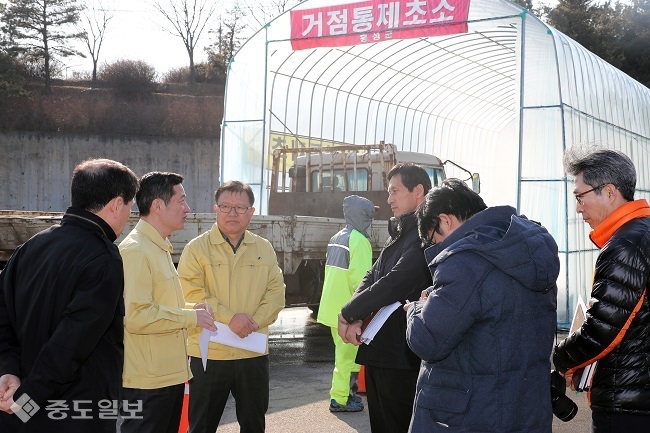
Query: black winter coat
x=61, y=323
x=619, y=299
x=400, y=273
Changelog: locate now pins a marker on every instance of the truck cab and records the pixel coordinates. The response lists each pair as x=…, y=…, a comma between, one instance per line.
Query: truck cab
x=314, y=181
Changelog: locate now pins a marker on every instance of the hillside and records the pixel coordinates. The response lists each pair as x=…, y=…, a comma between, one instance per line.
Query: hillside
x=75, y=107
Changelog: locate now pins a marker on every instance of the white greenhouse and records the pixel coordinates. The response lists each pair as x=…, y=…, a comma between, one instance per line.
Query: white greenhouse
x=479, y=82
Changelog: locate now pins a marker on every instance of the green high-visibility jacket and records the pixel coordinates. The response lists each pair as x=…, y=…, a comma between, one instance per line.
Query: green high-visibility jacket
x=349, y=257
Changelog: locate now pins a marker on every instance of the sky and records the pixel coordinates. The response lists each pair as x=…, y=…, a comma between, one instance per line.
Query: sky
x=137, y=32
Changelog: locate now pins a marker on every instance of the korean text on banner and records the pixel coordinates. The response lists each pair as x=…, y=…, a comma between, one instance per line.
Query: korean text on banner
x=376, y=20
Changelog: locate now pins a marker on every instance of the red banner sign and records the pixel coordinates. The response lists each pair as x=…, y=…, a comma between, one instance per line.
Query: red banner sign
x=376, y=20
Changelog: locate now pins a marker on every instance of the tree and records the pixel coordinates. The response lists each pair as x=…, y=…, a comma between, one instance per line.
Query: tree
x=528, y=4
x=92, y=28
x=597, y=27
x=574, y=18
x=533, y=8
x=635, y=40
x=11, y=81
x=42, y=29
x=257, y=14
x=130, y=78
x=228, y=41
x=188, y=19
x=608, y=25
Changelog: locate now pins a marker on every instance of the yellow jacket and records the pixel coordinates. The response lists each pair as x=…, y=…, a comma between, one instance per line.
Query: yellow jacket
x=156, y=318
x=249, y=281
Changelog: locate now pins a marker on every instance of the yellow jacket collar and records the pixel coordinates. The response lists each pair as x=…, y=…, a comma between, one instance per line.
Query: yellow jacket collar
x=150, y=231
x=217, y=238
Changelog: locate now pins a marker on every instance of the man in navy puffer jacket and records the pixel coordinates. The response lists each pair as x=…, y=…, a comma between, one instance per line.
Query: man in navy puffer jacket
x=485, y=329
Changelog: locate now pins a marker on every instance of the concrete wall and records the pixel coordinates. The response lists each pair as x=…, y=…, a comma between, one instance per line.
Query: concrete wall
x=35, y=168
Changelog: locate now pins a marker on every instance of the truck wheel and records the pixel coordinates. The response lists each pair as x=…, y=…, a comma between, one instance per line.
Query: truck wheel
x=314, y=309
x=311, y=276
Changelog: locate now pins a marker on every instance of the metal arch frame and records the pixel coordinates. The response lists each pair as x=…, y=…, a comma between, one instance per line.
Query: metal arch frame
x=414, y=109
x=428, y=110
x=470, y=95
x=468, y=70
x=396, y=103
x=273, y=87
x=360, y=95
x=581, y=113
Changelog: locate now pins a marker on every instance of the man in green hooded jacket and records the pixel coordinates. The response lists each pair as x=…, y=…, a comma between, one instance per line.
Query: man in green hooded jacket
x=349, y=257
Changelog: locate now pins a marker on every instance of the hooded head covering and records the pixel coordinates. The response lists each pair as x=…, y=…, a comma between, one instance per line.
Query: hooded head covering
x=358, y=213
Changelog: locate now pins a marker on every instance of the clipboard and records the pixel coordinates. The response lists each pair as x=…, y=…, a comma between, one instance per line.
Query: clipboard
x=377, y=321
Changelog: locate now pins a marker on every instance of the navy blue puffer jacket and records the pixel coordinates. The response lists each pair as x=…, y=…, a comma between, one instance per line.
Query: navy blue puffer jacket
x=485, y=333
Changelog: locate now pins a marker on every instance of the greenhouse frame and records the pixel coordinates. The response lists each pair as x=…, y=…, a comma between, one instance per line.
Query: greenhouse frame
x=483, y=83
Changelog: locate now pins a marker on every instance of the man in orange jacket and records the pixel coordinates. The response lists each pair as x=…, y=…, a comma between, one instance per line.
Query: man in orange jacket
x=616, y=332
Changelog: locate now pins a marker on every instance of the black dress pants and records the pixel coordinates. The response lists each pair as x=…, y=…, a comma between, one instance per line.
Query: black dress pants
x=390, y=393
x=151, y=410
x=247, y=380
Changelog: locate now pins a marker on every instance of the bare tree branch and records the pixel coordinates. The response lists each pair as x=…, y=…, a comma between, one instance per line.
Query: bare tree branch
x=188, y=19
x=260, y=13
x=92, y=26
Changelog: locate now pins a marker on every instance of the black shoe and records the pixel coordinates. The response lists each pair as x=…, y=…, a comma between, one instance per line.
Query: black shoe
x=352, y=406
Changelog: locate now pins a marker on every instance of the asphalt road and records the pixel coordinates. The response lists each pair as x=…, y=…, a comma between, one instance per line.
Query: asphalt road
x=302, y=356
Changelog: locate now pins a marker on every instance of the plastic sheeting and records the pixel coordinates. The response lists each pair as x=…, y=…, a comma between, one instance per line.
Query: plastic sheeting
x=503, y=97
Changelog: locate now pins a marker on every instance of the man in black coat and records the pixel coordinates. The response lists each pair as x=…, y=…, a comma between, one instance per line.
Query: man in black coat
x=399, y=274
x=61, y=312
x=616, y=331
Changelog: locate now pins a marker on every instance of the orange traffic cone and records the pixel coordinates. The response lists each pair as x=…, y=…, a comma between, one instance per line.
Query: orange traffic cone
x=184, y=425
x=361, y=381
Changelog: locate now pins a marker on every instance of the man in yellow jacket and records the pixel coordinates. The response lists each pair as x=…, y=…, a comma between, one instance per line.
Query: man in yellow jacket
x=156, y=316
x=349, y=256
x=236, y=272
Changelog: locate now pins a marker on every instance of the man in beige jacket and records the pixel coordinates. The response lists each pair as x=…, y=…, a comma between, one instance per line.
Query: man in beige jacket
x=236, y=272
x=156, y=315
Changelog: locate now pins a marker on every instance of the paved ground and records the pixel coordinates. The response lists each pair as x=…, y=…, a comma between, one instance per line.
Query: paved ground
x=299, y=403
x=301, y=364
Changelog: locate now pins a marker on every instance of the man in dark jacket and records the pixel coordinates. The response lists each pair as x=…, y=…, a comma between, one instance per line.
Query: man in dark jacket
x=616, y=331
x=399, y=274
x=485, y=329
x=61, y=312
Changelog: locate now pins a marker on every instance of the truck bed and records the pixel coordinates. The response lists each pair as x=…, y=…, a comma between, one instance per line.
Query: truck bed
x=294, y=238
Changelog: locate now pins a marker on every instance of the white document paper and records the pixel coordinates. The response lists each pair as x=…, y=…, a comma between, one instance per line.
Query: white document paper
x=255, y=341
x=204, y=342
x=579, y=318
x=579, y=315
x=378, y=321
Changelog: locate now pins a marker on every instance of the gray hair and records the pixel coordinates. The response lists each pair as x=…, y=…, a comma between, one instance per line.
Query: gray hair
x=600, y=166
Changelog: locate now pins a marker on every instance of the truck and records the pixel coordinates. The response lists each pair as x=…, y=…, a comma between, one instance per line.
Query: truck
x=305, y=199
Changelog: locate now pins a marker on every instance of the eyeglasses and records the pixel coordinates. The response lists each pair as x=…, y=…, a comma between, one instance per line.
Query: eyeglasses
x=427, y=240
x=582, y=194
x=238, y=209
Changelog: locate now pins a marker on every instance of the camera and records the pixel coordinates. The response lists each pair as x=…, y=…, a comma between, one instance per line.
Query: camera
x=563, y=407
